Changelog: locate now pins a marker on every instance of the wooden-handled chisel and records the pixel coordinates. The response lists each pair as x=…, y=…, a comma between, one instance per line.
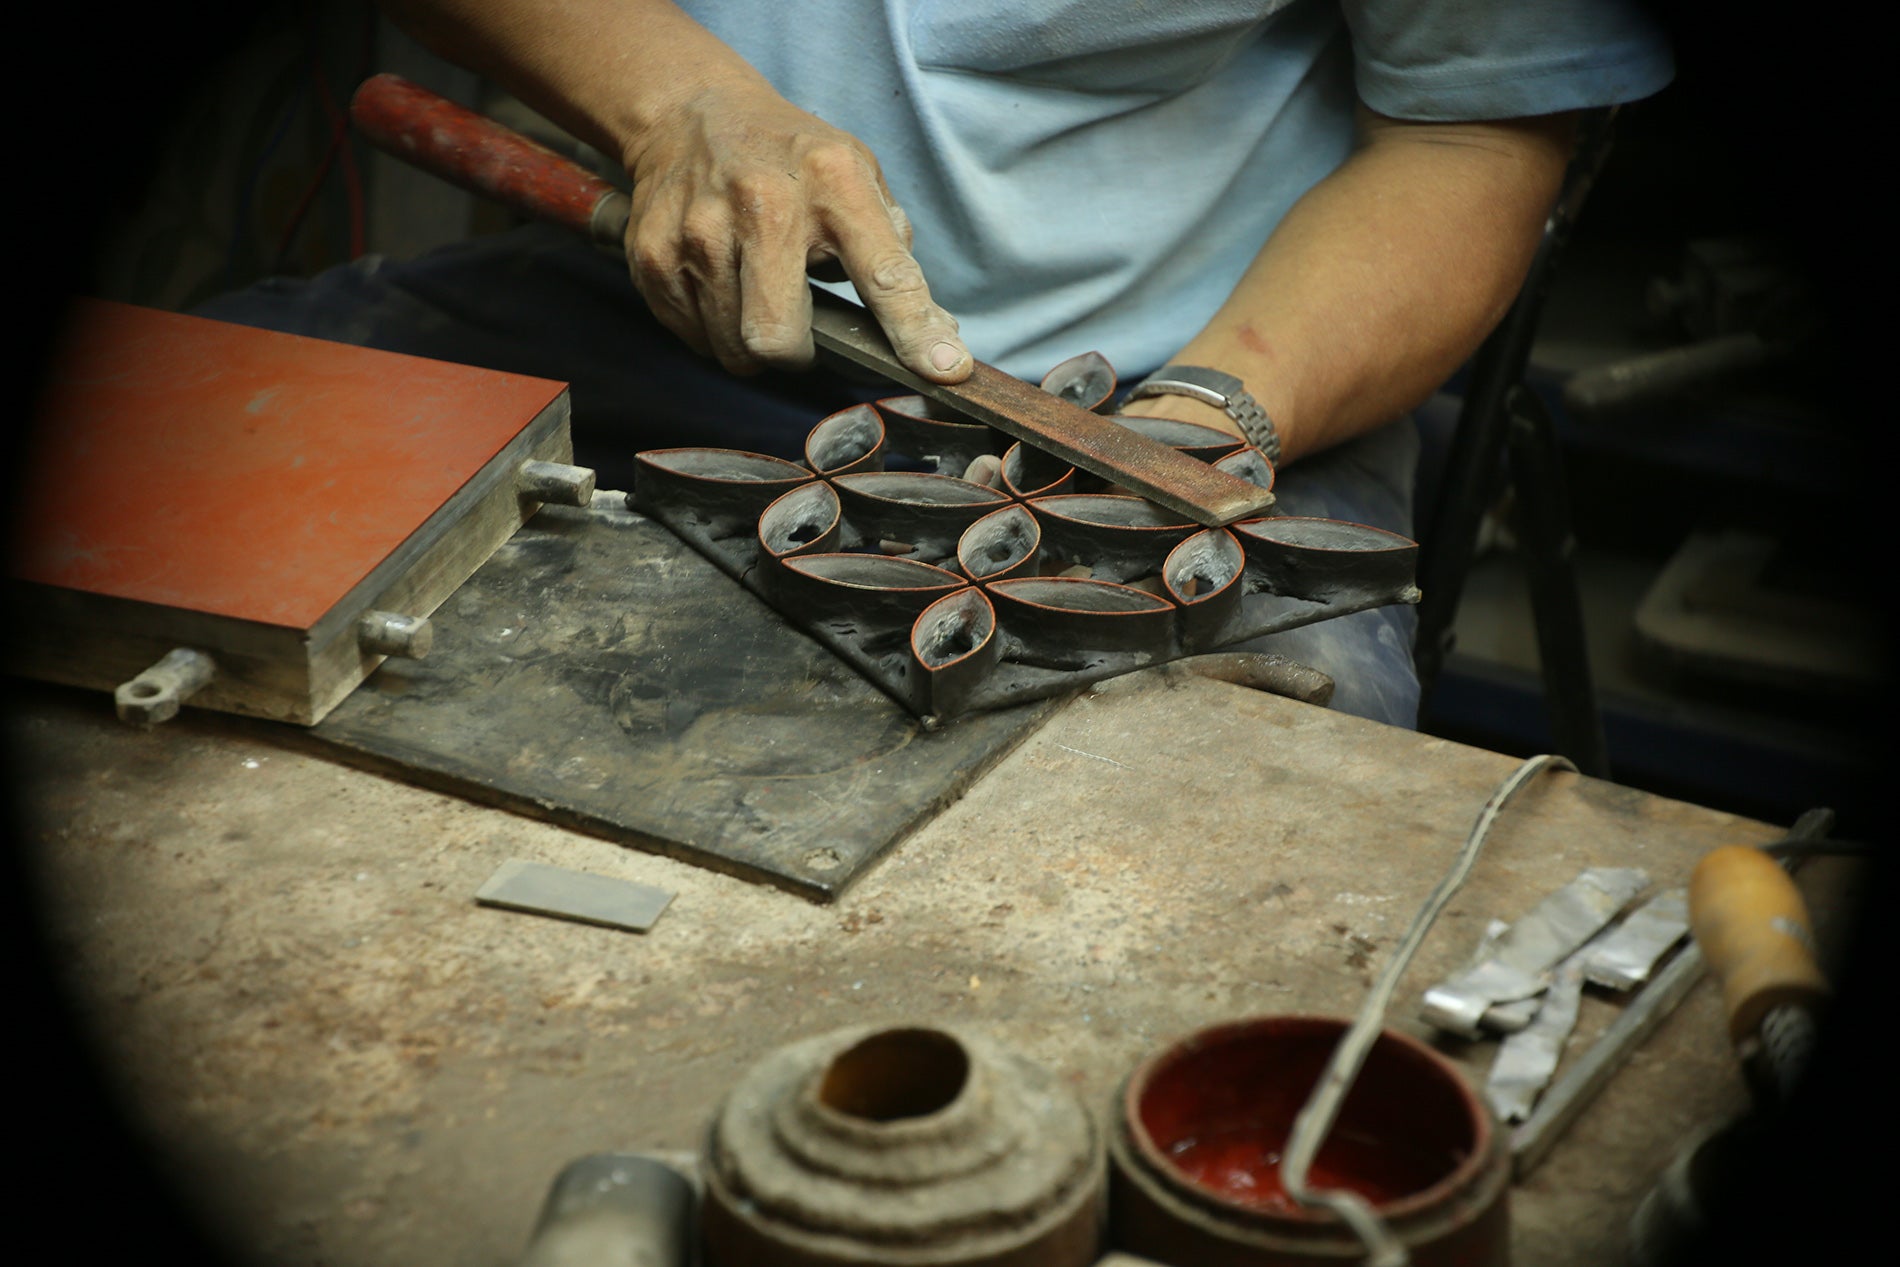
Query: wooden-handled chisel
x=483, y=156
x=1751, y=925
x=1753, y=928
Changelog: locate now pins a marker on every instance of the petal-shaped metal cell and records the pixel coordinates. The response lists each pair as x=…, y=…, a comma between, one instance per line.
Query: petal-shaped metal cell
x=1118, y=538
x=925, y=512
x=1327, y=559
x=717, y=491
x=804, y=521
x=1087, y=380
x=926, y=432
x=955, y=649
x=1029, y=472
x=1066, y=618
x=870, y=590
x=1249, y=464
x=1002, y=544
x=1193, y=439
x=1203, y=575
x=847, y=442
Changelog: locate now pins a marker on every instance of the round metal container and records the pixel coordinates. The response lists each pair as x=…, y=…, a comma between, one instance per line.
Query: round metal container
x=912, y=1147
x=1200, y=1126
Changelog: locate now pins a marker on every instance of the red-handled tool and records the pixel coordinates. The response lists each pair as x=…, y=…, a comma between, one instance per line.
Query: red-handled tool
x=476, y=153
x=486, y=158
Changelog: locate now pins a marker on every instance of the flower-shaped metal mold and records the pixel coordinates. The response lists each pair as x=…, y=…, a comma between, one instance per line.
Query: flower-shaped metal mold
x=955, y=596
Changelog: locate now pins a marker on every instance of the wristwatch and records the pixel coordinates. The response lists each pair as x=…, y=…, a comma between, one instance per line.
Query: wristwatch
x=1224, y=392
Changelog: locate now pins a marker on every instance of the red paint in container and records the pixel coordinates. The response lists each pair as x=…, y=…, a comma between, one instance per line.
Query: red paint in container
x=1242, y=1164
x=1204, y=1122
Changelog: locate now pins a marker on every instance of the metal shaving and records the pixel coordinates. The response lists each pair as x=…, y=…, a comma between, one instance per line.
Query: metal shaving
x=1519, y=966
x=1501, y=1018
x=1526, y=1060
x=1509, y=1018
x=1624, y=959
x=1462, y=1012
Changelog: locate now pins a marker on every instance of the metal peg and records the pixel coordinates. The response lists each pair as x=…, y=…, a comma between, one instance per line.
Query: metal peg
x=393, y=634
x=155, y=695
x=555, y=482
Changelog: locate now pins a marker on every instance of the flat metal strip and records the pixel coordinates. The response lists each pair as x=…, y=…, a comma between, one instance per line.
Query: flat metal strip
x=540, y=889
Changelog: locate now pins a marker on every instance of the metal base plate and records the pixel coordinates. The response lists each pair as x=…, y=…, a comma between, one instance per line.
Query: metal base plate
x=598, y=673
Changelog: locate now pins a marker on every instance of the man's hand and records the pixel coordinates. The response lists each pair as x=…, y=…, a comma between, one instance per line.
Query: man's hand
x=736, y=192
x=735, y=198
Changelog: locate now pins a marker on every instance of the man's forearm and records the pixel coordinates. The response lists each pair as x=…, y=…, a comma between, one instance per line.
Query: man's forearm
x=1385, y=277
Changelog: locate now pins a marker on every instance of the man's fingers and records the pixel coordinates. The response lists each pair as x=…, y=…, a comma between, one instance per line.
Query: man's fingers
x=659, y=274
x=774, y=316
x=900, y=224
x=709, y=239
x=686, y=265
x=722, y=236
x=676, y=307
x=892, y=286
x=775, y=313
x=923, y=335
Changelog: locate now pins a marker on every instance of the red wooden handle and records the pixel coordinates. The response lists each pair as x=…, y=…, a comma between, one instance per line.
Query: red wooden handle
x=482, y=156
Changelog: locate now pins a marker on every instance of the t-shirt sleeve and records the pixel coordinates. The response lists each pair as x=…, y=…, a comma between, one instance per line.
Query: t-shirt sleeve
x=1446, y=60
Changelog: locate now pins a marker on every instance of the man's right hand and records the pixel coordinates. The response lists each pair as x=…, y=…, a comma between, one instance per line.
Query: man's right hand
x=737, y=195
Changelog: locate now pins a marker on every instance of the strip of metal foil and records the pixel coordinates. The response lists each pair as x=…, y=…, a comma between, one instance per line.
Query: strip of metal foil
x=1519, y=967
x=1624, y=958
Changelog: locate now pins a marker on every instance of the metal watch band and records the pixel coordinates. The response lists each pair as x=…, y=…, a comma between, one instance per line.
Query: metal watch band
x=1224, y=392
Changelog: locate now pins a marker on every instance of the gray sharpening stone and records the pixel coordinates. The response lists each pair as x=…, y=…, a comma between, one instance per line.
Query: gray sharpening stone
x=539, y=889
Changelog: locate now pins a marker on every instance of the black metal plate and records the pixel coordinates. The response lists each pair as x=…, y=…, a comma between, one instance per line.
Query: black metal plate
x=599, y=673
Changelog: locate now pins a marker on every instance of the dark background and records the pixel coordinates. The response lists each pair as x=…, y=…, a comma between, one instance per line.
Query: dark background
x=1771, y=128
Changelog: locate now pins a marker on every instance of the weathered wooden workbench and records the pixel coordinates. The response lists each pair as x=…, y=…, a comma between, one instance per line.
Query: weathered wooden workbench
x=351, y=1062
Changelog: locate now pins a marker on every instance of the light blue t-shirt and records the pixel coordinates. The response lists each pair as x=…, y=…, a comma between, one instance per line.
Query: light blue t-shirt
x=1097, y=174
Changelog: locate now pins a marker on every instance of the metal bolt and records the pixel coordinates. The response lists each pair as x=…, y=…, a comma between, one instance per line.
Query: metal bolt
x=393, y=634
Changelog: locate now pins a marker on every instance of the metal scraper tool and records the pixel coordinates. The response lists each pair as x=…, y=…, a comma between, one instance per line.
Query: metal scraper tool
x=478, y=154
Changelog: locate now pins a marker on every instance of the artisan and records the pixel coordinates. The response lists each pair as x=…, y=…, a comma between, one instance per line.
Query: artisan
x=1315, y=207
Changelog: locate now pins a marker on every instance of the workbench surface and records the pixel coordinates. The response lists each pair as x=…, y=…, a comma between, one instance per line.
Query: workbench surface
x=350, y=1062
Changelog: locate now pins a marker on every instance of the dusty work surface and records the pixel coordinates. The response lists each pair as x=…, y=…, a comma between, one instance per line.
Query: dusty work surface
x=353, y=1063
x=599, y=673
